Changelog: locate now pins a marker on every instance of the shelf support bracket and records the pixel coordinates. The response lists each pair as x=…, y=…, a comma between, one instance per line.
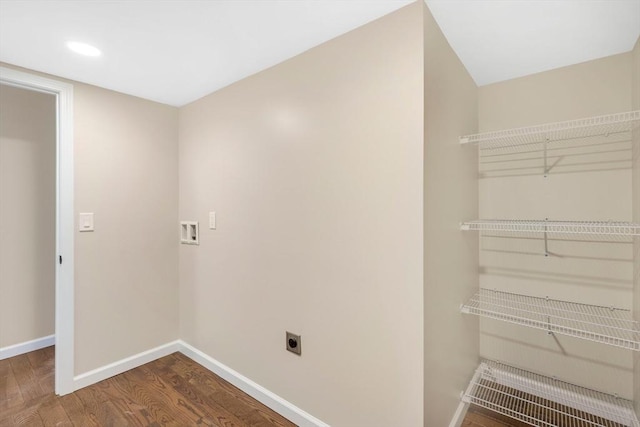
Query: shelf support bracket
x=549, y=330
x=546, y=167
x=546, y=240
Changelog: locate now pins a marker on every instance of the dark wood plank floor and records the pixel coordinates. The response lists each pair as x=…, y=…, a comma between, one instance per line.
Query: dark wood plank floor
x=480, y=417
x=171, y=391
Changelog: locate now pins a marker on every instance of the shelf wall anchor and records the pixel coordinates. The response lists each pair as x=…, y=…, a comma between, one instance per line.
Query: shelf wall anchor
x=546, y=167
x=546, y=241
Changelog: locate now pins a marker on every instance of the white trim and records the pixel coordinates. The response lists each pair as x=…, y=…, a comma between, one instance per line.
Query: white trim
x=463, y=407
x=125, y=364
x=458, y=416
x=272, y=400
x=27, y=346
x=64, y=334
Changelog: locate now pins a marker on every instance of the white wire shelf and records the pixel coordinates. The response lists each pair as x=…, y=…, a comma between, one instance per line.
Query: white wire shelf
x=606, y=325
x=610, y=228
x=572, y=129
x=543, y=401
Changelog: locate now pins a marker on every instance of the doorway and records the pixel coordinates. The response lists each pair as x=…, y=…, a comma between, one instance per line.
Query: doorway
x=27, y=220
x=62, y=262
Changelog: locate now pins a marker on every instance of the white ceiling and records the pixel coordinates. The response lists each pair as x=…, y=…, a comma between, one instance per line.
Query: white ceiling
x=176, y=51
x=503, y=39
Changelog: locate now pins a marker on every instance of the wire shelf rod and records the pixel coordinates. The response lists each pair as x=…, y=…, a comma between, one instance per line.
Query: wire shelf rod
x=558, y=131
x=606, y=325
x=544, y=401
x=515, y=405
x=507, y=299
x=564, y=330
x=487, y=147
x=611, y=228
x=626, y=327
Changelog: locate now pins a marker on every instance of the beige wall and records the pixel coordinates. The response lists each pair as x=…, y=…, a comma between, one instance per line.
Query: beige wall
x=450, y=197
x=27, y=215
x=314, y=168
x=322, y=177
x=126, y=272
x=592, y=183
x=636, y=212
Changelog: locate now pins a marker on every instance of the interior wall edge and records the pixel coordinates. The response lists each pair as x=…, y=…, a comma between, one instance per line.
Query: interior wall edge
x=635, y=98
x=451, y=257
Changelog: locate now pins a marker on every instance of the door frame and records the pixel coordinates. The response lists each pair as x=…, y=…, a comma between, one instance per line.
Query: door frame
x=64, y=300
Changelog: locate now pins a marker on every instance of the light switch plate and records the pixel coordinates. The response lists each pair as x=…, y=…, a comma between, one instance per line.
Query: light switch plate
x=85, y=222
x=212, y=220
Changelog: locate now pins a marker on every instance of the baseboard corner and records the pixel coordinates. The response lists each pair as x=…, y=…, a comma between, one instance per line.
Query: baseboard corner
x=123, y=365
x=261, y=394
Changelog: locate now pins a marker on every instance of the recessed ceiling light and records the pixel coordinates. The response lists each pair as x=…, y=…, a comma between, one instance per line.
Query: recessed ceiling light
x=84, y=49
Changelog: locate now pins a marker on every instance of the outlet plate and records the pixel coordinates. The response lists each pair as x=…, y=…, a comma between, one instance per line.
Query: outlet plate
x=294, y=343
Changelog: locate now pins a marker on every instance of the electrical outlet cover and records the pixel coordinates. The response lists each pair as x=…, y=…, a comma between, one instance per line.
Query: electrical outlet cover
x=294, y=343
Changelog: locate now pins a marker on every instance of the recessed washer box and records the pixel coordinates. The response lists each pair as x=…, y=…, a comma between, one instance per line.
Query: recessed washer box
x=189, y=233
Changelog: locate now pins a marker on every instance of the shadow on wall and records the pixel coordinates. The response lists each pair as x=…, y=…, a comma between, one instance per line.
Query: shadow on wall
x=593, y=154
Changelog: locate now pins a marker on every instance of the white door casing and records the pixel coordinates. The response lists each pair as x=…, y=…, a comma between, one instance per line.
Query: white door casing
x=64, y=301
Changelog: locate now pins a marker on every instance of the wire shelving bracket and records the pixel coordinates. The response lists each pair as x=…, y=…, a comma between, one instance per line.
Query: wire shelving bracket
x=544, y=401
x=605, y=325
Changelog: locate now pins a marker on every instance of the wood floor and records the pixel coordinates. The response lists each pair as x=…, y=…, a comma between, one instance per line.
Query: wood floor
x=480, y=417
x=171, y=391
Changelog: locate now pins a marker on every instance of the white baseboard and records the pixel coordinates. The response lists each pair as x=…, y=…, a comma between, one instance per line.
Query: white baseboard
x=26, y=347
x=463, y=407
x=124, y=365
x=261, y=394
x=459, y=415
